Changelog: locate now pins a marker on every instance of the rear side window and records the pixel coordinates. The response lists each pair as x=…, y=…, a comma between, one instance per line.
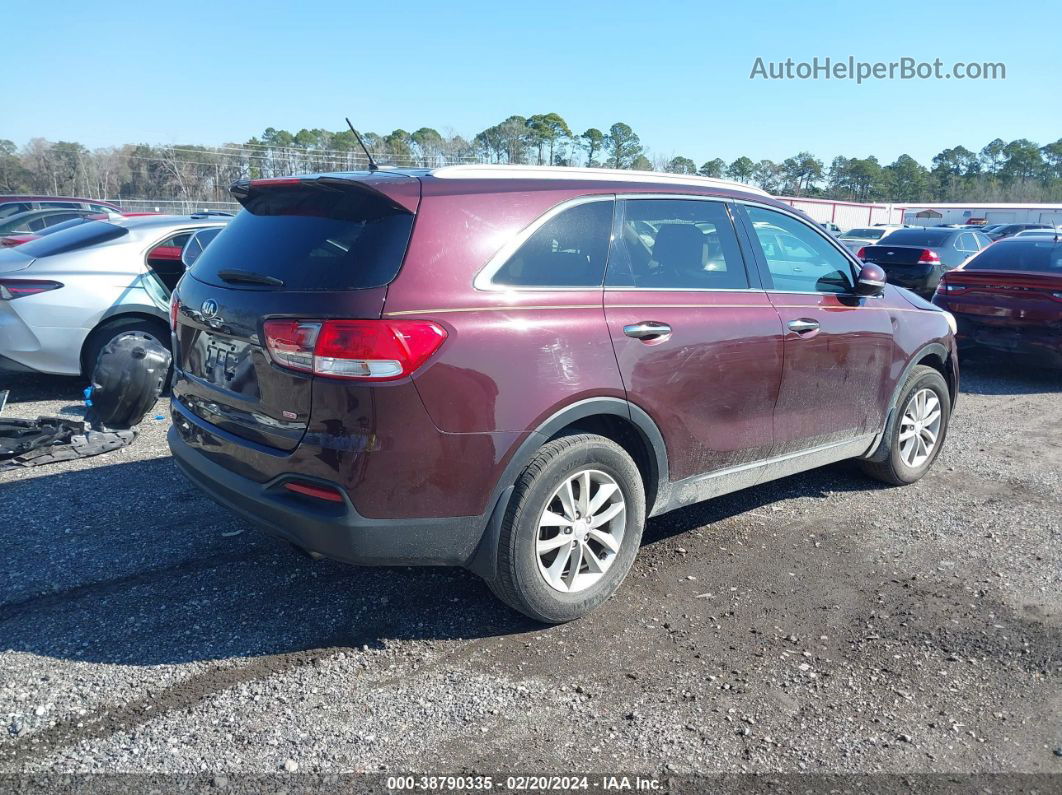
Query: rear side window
x=677, y=244
x=568, y=250
x=78, y=236
x=312, y=238
x=1025, y=254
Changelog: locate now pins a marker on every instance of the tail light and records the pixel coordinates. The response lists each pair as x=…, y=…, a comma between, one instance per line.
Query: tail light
x=928, y=257
x=862, y=252
x=366, y=350
x=11, y=289
x=175, y=308
x=951, y=289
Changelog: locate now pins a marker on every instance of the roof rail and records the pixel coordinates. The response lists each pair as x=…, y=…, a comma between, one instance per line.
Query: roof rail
x=566, y=172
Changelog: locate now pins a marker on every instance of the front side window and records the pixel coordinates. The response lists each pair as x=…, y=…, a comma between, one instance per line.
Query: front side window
x=677, y=244
x=798, y=258
x=568, y=250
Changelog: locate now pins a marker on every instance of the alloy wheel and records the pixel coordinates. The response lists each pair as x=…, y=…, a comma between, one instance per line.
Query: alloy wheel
x=580, y=531
x=920, y=428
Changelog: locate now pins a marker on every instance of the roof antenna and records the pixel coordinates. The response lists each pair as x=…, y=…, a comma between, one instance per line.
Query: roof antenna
x=372, y=163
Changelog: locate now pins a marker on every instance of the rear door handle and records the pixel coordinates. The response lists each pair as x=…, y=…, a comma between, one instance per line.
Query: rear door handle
x=801, y=326
x=647, y=330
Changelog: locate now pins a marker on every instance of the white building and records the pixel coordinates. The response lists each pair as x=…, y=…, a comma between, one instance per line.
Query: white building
x=981, y=213
x=847, y=214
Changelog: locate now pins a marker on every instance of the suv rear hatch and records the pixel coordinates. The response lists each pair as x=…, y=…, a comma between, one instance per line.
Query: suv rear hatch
x=302, y=251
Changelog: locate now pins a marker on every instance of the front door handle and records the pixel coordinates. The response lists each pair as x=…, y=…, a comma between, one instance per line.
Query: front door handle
x=803, y=325
x=647, y=330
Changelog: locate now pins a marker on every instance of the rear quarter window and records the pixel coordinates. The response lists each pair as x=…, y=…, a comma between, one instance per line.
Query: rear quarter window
x=568, y=250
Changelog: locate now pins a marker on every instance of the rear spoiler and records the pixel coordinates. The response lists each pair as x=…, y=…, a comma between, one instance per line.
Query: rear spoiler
x=402, y=191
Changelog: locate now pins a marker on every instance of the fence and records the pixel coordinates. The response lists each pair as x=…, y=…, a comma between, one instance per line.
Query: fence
x=172, y=206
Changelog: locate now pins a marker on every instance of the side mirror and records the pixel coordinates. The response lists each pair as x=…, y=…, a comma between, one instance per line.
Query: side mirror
x=871, y=281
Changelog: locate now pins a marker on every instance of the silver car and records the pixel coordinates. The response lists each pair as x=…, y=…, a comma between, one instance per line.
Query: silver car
x=854, y=239
x=64, y=296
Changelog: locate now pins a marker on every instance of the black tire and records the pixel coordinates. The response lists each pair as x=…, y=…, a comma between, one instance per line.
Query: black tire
x=886, y=463
x=518, y=582
x=102, y=335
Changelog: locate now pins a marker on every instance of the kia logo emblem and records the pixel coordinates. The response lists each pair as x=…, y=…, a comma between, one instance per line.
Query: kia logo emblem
x=209, y=308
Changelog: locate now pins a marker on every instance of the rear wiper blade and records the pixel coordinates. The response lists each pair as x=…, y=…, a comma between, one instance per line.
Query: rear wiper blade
x=233, y=275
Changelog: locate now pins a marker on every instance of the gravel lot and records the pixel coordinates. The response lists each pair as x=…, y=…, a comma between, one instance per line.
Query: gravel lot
x=820, y=623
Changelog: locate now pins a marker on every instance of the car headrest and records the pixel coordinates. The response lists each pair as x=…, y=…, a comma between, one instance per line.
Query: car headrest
x=679, y=246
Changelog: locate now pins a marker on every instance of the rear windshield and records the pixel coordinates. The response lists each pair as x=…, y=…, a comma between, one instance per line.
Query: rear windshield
x=77, y=236
x=869, y=234
x=311, y=238
x=1028, y=254
x=917, y=237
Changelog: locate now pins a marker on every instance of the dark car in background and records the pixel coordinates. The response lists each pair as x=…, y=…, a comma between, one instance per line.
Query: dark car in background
x=1008, y=230
x=510, y=368
x=916, y=258
x=1009, y=298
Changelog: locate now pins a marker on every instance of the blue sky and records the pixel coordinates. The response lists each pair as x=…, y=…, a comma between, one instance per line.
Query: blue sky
x=677, y=72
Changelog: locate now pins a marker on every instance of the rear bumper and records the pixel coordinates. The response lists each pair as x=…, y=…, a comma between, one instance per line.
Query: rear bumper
x=332, y=529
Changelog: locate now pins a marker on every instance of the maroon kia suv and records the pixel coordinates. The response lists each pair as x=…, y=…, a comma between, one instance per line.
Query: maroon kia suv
x=511, y=368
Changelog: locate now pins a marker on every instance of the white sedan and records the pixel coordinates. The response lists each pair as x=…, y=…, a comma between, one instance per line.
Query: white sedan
x=64, y=296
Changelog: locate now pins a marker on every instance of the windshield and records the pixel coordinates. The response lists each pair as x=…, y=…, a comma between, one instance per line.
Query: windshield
x=1043, y=256
x=867, y=233
x=918, y=237
x=77, y=236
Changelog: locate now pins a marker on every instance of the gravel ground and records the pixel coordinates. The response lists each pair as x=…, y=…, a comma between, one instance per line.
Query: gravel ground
x=821, y=623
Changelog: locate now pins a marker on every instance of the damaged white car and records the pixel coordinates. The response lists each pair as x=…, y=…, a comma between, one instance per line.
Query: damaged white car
x=65, y=296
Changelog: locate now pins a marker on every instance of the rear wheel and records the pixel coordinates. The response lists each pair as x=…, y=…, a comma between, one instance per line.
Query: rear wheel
x=572, y=529
x=914, y=437
x=110, y=330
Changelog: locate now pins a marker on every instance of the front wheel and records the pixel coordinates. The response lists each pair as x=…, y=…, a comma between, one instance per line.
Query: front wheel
x=572, y=529
x=914, y=437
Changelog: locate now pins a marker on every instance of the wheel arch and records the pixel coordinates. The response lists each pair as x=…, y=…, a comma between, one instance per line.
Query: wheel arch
x=614, y=418
x=935, y=355
x=116, y=315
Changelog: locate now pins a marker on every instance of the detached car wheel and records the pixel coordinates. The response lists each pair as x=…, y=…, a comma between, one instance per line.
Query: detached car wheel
x=916, y=432
x=109, y=331
x=572, y=529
